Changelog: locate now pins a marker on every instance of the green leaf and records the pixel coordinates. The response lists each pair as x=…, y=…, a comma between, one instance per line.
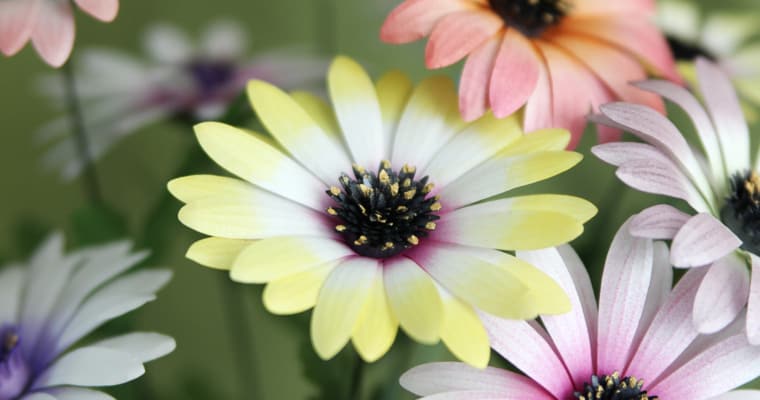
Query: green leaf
x=96, y=224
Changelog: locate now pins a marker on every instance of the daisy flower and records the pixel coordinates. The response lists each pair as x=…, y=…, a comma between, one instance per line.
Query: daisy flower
x=537, y=53
x=49, y=24
x=54, y=302
x=177, y=79
x=639, y=344
x=729, y=38
x=721, y=185
x=373, y=212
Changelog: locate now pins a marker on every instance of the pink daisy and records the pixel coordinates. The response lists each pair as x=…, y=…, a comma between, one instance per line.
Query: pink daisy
x=538, y=53
x=638, y=345
x=721, y=185
x=49, y=24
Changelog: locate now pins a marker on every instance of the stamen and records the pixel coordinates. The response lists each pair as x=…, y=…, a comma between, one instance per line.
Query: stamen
x=531, y=17
x=741, y=212
x=612, y=387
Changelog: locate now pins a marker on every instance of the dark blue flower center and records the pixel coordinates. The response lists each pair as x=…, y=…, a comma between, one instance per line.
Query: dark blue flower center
x=14, y=370
x=531, y=17
x=612, y=387
x=687, y=51
x=210, y=75
x=741, y=212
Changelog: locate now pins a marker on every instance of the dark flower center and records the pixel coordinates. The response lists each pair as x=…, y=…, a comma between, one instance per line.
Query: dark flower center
x=686, y=51
x=382, y=214
x=531, y=17
x=210, y=75
x=741, y=213
x=8, y=343
x=612, y=387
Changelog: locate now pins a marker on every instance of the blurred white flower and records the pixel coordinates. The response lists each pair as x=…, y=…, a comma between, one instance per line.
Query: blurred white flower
x=57, y=300
x=176, y=78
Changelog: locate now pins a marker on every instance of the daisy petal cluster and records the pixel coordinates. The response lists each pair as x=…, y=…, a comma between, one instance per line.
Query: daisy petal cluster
x=48, y=24
x=638, y=344
x=56, y=301
x=376, y=213
x=538, y=53
x=177, y=79
x=721, y=184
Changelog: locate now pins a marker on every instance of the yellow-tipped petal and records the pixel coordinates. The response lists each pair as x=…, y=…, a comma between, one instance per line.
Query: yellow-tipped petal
x=541, y=140
x=292, y=126
x=195, y=187
x=414, y=300
x=340, y=303
x=464, y=334
x=297, y=292
x=376, y=328
x=275, y=258
x=576, y=207
x=358, y=110
x=217, y=253
x=319, y=110
x=253, y=158
x=393, y=91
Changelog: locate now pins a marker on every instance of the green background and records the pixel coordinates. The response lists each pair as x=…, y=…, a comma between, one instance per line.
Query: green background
x=133, y=176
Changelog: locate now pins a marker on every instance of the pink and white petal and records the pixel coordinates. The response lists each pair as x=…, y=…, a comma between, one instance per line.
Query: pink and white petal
x=292, y=126
x=722, y=294
x=753, y=303
x=457, y=34
x=623, y=295
x=726, y=365
x=515, y=74
x=702, y=240
x=671, y=331
x=727, y=115
x=539, y=111
x=660, y=286
x=414, y=299
x=634, y=35
x=476, y=78
x=104, y=10
x=415, y=19
x=445, y=377
x=527, y=347
x=17, y=20
x=84, y=367
x=358, y=111
x=596, y=7
x=340, y=303
x=249, y=156
x=739, y=395
x=585, y=290
x=393, y=91
x=487, y=286
x=569, y=331
x=619, y=153
x=699, y=117
x=659, y=222
x=430, y=119
x=657, y=130
x=53, y=34
x=570, y=107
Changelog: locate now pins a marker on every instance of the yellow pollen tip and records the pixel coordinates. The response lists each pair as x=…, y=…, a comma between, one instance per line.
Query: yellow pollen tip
x=340, y=228
x=394, y=189
x=383, y=177
x=408, y=169
x=361, y=240
x=402, y=209
x=332, y=211
x=363, y=209
x=413, y=240
x=366, y=190
x=430, y=226
x=359, y=169
x=436, y=206
x=409, y=194
x=385, y=164
x=388, y=246
x=11, y=341
x=334, y=190
x=428, y=188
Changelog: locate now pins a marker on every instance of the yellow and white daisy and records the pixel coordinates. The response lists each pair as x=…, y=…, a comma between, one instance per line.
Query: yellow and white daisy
x=372, y=212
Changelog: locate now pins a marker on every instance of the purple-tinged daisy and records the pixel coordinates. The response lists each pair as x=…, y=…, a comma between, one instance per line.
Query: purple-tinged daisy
x=720, y=183
x=639, y=344
x=58, y=299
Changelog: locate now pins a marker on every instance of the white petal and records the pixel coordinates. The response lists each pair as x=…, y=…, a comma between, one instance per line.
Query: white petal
x=658, y=222
x=167, y=44
x=75, y=393
x=85, y=366
x=144, y=346
x=702, y=240
x=722, y=294
x=753, y=304
x=11, y=284
x=224, y=39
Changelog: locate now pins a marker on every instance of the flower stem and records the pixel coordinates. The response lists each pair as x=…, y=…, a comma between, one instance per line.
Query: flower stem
x=90, y=183
x=356, y=379
x=242, y=337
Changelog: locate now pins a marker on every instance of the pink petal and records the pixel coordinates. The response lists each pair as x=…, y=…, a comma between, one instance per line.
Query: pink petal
x=621, y=153
x=476, y=77
x=414, y=19
x=726, y=112
x=569, y=105
x=659, y=289
x=606, y=134
x=684, y=99
x=753, y=304
x=722, y=294
x=623, y=294
x=458, y=34
x=538, y=110
x=17, y=20
x=671, y=331
x=632, y=34
x=526, y=347
x=104, y=10
x=611, y=7
x=475, y=395
x=702, y=240
x=659, y=222
x=53, y=36
x=515, y=74
x=726, y=365
x=569, y=332
x=442, y=377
